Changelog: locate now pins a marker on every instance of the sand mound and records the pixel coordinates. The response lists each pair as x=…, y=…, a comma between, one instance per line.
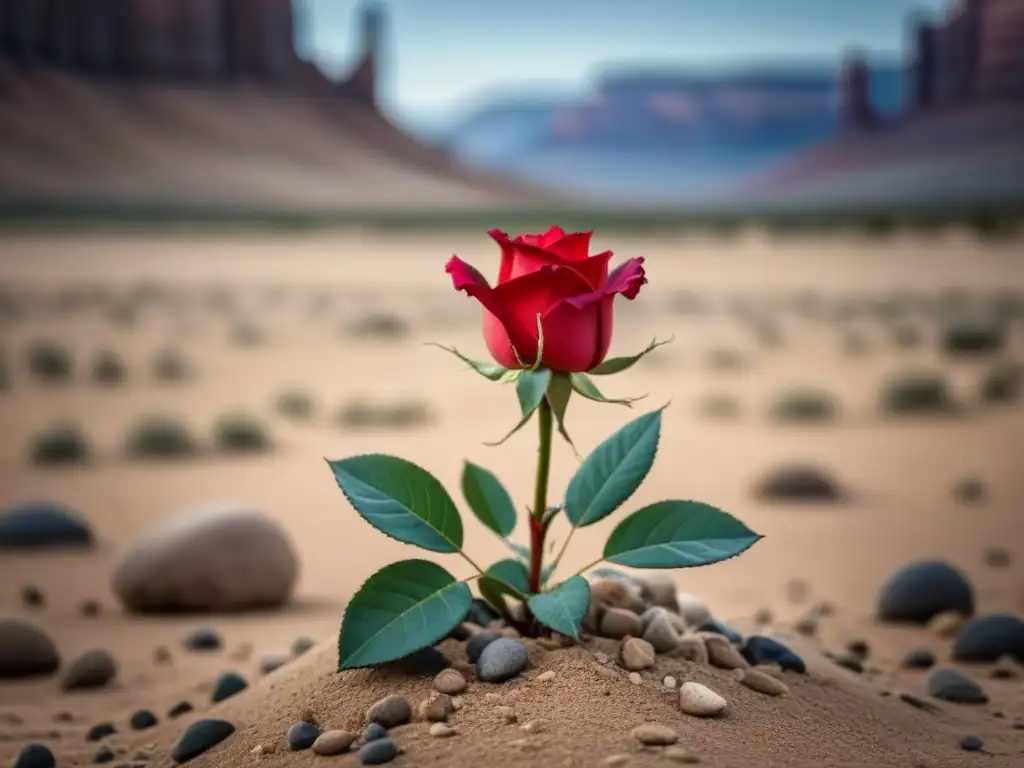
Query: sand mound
x=585, y=714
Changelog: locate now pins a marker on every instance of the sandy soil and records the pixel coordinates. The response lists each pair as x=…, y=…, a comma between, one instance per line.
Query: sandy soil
x=901, y=475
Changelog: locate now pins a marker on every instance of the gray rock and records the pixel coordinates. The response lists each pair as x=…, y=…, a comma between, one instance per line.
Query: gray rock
x=971, y=743
x=200, y=737
x=919, y=658
x=25, y=650
x=390, y=711
x=93, y=669
x=989, y=637
x=204, y=639
x=179, y=709
x=476, y=644
x=220, y=557
x=334, y=742
x=374, y=731
x=39, y=525
x=301, y=645
x=660, y=589
x=35, y=756
x=661, y=634
x=617, y=623
x=103, y=755
x=273, y=661
x=378, y=752
x=302, y=736
x=694, y=610
x=100, y=731
x=799, y=483
x=142, y=719
x=921, y=590
x=502, y=660
x=227, y=685
x=950, y=685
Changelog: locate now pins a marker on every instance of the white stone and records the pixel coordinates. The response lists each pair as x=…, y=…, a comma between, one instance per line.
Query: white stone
x=218, y=557
x=699, y=700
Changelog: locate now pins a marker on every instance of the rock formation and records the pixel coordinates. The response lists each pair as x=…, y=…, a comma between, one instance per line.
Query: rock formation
x=856, y=112
x=187, y=40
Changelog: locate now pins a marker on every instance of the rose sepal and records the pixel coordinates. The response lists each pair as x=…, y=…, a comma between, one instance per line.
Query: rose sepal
x=620, y=364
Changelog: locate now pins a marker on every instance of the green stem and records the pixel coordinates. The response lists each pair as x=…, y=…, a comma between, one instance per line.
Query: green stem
x=565, y=546
x=587, y=567
x=540, y=494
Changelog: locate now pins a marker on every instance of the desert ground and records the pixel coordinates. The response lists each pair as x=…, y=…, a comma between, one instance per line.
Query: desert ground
x=344, y=318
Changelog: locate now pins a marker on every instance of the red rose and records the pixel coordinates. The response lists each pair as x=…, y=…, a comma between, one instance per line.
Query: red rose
x=553, y=276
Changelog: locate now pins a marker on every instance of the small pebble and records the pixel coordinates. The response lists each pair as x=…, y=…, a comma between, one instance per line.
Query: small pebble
x=161, y=655
x=618, y=623
x=507, y=714
x=615, y=761
x=971, y=743
x=655, y=735
x=1005, y=668
x=436, y=707
x=227, y=685
x=723, y=654
x=93, y=669
x=203, y=639
x=533, y=726
x=374, y=731
x=390, y=711
x=142, y=719
x=272, y=661
x=947, y=624
x=661, y=634
x=950, y=685
x=635, y=678
x=681, y=755
x=34, y=756
x=334, y=742
x=90, y=609
x=301, y=645
x=450, y=681
x=997, y=557
x=699, y=700
x=302, y=736
x=763, y=616
x=378, y=752
x=764, y=683
x=100, y=731
x=692, y=648
x=858, y=649
x=179, y=709
x=545, y=677
x=670, y=682
x=441, y=730
x=33, y=597
x=476, y=644
x=919, y=658
x=502, y=660
x=200, y=737
x=637, y=654
x=104, y=755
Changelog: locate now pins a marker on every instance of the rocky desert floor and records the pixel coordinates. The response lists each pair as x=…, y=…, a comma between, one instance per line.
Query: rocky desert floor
x=857, y=400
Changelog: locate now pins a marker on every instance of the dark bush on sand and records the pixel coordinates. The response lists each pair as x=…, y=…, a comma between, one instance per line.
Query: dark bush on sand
x=160, y=437
x=726, y=359
x=719, y=405
x=1004, y=383
x=248, y=335
x=973, y=338
x=238, y=432
x=108, y=368
x=169, y=366
x=379, y=325
x=360, y=414
x=917, y=393
x=804, y=406
x=907, y=336
x=60, y=444
x=295, y=405
x=49, y=361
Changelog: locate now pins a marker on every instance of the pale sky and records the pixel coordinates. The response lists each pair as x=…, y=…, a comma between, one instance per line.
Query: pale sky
x=444, y=55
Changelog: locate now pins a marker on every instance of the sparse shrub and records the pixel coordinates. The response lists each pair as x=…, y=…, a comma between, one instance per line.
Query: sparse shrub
x=50, y=362
x=1002, y=384
x=160, y=437
x=379, y=325
x=906, y=336
x=769, y=334
x=689, y=303
x=969, y=490
x=802, y=406
x=973, y=338
x=917, y=393
x=726, y=359
x=719, y=406
x=248, y=335
x=108, y=368
x=360, y=414
x=855, y=344
x=295, y=405
x=799, y=483
x=123, y=314
x=169, y=366
x=63, y=443
x=240, y=433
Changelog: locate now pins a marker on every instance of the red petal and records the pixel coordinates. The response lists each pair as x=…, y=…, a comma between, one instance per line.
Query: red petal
x=466, y=277
x=574, y=247
x=625, y=279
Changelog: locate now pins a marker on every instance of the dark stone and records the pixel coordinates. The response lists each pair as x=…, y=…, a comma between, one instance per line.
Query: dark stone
x=104, y=755
x=142, y=719
x=720, y=628
x=302, y=735
x=799, y=483
x=204, y=639
x=971, y=743
x=227, y=685
x=25, y=650
x=502, y=660
x=989, y=637
x=919, y=658
x=476, y=644
x=760, y=649
x=179, y=709
x=301, y=645
x=921, y=590
x=850, y=663
x=90, y=609
x=424, y=662
x=481, y=612
x=273, y=662
x=969, y=491
x=38, y=525
x=374, y=731
x=34, y=756
x=32, y=597
x=859, y=649
x=390, y=711
x=997, y=557
x=93, y=669
x=200, y=737
x=378, y=752
x=950, y=685
x=100, y=731
x=918, y=703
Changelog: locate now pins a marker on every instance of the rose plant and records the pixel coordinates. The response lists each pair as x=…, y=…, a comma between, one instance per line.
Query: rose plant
x=548, y=326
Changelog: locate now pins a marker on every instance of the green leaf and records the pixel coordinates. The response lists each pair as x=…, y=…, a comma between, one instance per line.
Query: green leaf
x=402, y=608
x=401, y=500
x=505, y=577
x=487, y=370
x=677, y=534
x=619, y=364
x=531, y=386
x=584, y=386
x=613, y=472
x=559, y=392
x=523, y=553
x=563, y=608
x=488, y=499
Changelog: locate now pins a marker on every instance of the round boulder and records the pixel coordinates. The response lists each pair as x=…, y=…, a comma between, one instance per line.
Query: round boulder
x=25, y=650
x=222, y=557
x=919, y=591
x=989, y=637
x=37, y=525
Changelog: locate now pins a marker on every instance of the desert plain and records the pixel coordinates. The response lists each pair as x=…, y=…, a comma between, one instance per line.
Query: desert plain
x=344, y=318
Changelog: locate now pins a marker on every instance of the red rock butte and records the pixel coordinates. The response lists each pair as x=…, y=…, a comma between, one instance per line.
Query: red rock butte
x=206, y=102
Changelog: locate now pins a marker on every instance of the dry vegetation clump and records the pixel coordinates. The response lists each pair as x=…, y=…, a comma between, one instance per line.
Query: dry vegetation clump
x=917, y=392
x=108, y=368
x=296, y=405
x=804, y=406
x=719, y=406
x=361, y=414
x=160, y=437
x=907, y=336
x=1003, y=383
x=726, y=359
x=386, y=326
x=239, y=432
x=169, y=366
x=62, y=444
x=49, y=362
x=972, y=337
